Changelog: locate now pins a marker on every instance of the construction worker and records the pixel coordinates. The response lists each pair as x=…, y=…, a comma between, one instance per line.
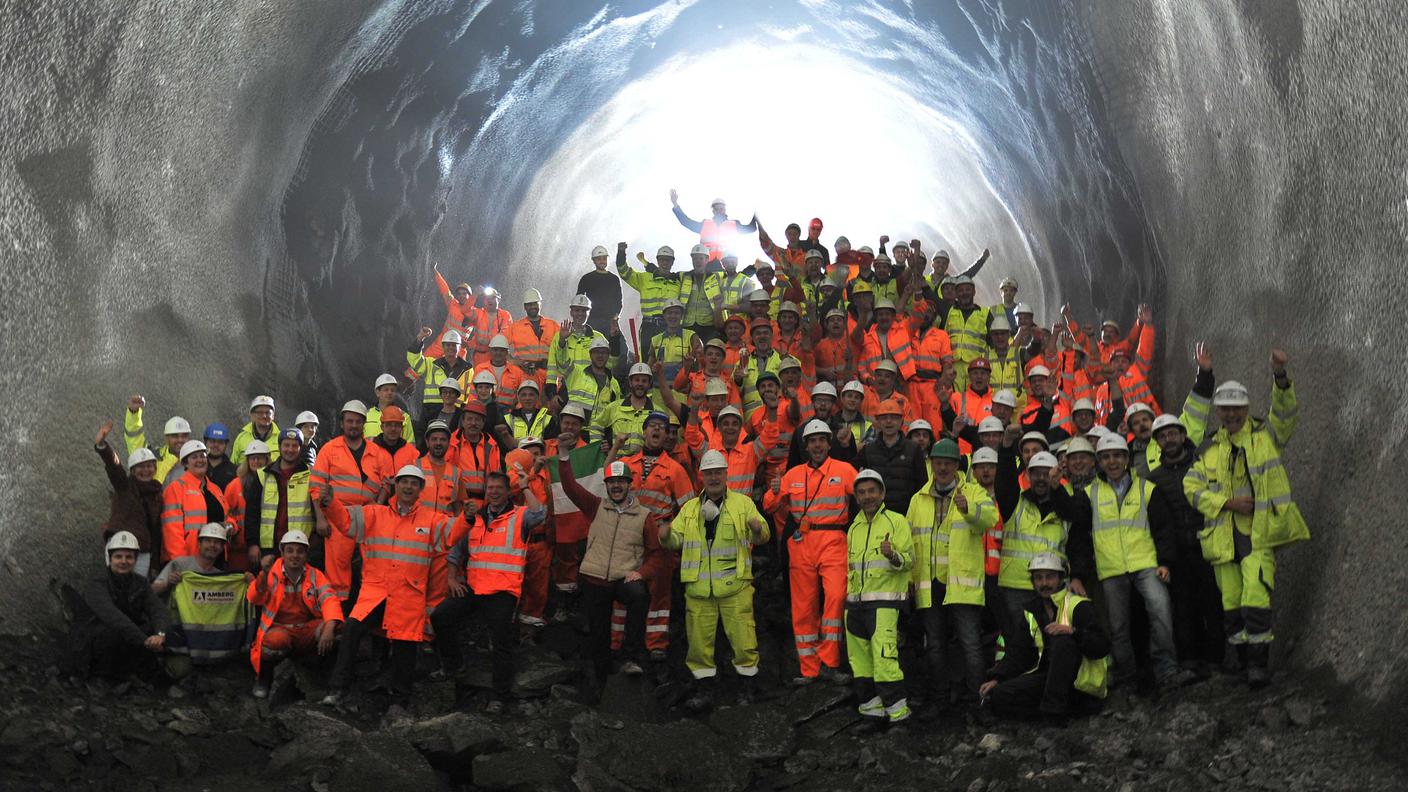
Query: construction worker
x=385, y=391
x=188, y=503
x=506, y=374
x=120, y=625
x=529, y=337
x=399, y=542
x=298, y=613
x=734, y=287
x=256, y=458
x=460, y=313
x=673, y=343
x=826, y=407
x=850, y=418
x=486, y=578
x=760, y=359
x=529, y=419
x=880, y=554
x=281, y=500
x=1004, y=359
x=261, y=426
x=390, y=440
x=1046, y=408
x=1144, y=448
x=432, y=371
x=489, y=321
x=1242, y=490
x=895, y=456
x=444, y=483
x=220, y=470
x=136, y=502
x=570, y=348
x=1008, y=307
x=715, y=534
x=716, y=234
x=602, y=286
x=176, y=432
x=886, y=340
x=655, y=287
x=884, y=386
x=974, y=402
x=474, y=452
x=351, y=471
x=698, y=294
x=307, y=423
x=950, y=518
x=814, y=498
x=211, y=544
x=1080, y=464
x=619, y=424
x=1055, y=665
x=967, y=327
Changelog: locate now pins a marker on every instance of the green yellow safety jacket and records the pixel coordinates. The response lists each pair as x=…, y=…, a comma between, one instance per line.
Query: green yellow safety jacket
x=870, y=577
x=626, y=423
x=136, y=436
x=212, y=612
x=654, y=289
x=1025, y=535
x=586, y=390
x=1120, y=528
x=724, y=566
x=949, y=547
x=246, y=435
x=299, y=510
x=562, y=360
x=1092, y=676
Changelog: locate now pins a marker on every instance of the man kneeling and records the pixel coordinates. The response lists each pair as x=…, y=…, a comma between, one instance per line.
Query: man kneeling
x=298, y=612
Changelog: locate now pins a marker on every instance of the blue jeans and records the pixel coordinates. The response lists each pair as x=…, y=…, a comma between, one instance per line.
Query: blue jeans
x=1157, y=605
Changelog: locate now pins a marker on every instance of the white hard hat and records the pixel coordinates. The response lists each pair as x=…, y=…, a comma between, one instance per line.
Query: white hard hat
x=295, y=536
x=450, y=337
x=866, y=250
x=672, y=304
x=900, y=243
x=411, y=470
x=716, y=202
x=815, y=426
x=814, y=253
x=1023, y=308
x=788, y=362
x=354, y=406
x=824, y=389
x=1006, y=398
x=729, y=410
x=598, y=342
x=985, y=456
x=882, y=259
x=715, y=387
x=437, y=425
x=665, y=251
x=1039, y=371
x=1083, y=404
x=758, y=295
x=1136, y=408
x=788, y=305
x=1037, y=436
x=532, y=440
x=640, y=369
x=1000, y=324
x=123, y=540
x=262, y=401
x=870, y=475
x=529, y=383
x=1165, y=421
x=256, y=447
x=598, y=251
x=1098, y=431
x=699, y=250
x=177, y=425
x=617, y=470
x=1112, y=442
x=452, y=384
x=1041, y=459
x=190, y=447
x=1231, y=394
x=920, y=423
x=308, y=416
x=1046, y=562
x=384, y=379
x=533, y=295
x=884, y=304
x=990, y=424
x=139, y=456
x=963, y=280
x=853, y=386
x=942, y=254
x=484, y=377
x=580, y=301
x=888, y=365
x=573, y=409
x=1079, y=445
x=713, y=460
x=1007, y=282
x=213, y=531
x=498, y=342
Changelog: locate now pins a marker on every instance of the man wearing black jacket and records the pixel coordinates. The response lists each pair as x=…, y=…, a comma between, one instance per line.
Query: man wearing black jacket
x=120, y=625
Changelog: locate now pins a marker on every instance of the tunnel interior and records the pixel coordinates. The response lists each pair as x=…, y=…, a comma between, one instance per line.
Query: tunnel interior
x=243, y=198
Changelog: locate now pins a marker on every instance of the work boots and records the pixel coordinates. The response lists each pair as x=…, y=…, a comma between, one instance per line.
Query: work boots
x=1234, y=661
x=1258, y=658
x=747, y=690
x=703, y=698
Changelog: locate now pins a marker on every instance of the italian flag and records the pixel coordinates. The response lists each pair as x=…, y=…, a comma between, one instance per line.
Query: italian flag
x=587, y=464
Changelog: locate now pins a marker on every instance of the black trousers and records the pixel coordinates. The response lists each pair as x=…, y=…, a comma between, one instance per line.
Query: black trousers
x=403, y=653
x=597, y=599
x=104, y=652
x=496, y=610
x=1197, y=607
x=1048, y=690
x=965, y=623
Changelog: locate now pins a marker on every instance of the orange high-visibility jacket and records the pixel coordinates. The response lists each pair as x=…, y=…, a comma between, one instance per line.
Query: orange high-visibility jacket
x=314, y=589
x=183, y=514
x=508, y=379
x=497, y=552
x=528, y=345
x=351, y=485
x=475, y=461
x=897, y=347
x=666, y=489
x=815, y=497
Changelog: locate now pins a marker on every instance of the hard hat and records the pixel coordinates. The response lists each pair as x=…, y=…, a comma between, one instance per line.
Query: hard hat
x=1007, y=282
x=599, y=251
x=859, y=286
x=617, y=470
x=882, y=258
x=854, y=386
x=715, y=387
x=979, y=363
x=888, y=365
x=942, y=255
x=716, y=202
x=640, y=370
x=866, y=250
x=760, y=322
x=573, y=409
x=729, y=410
x=656, y=415
x=261, y=401
x=1083, y=404
x=1005, y=397
x=1110, y=323
x=217, y=431
x=841, y=240
x=1119, y=350
x=767, y=376
x=1165, y=421
x=213, y=531
x=1037, y=436
x=1112, y=442
x=962, y=280
x=947, y=281
x=1023, y=308
x=789, y=306
x=384, y=379
x=815, y=426
x=1039, y=371
x=580, y=301
x=1231, y=394
x=476, y=407
x=716, y=343
x=450, y=383
x=672, y=304
x=824, y=389
x=870, y=475
x=295, y=536
x=177, y=425
x=599, y=342
x=729, y=255
x=788, y=362
x=945, y=449
x=1097, y=431
x=498, y=342
x=531, y=440
x=489, y=291
x=889, y=407
x=1079, y=445
x=990, y=424
x=450, y=337
x=763, y=264
x=699, y=250
x=814, y=254
x=438, y=425
x=1000, y=324
x=257, y=447
x=306, y=417
x=665, y=251
x=900, y=243
x=713, y=460
x=354, y=406
x=984, y=456
x=411, y=470
x=815, y=223
x=484, y=377
x=1046, y=562
x=758, y=295
x=920, y=423
x=464, y=286
x=190, y=447
x=1041, y=459
x=828, y=283
x=123, y=540
x=529, y=383
x=884, y=304
x=139, y=456
x=1136, y=408
x=737, y=317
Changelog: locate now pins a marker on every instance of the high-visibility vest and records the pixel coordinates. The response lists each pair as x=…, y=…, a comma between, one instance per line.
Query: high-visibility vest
x=507, y=378
x=183, y=514
x=871, y=403
x=735, y=288
x=585, y=389
x=870, y=576
x=405, y=454
x=743, y=460
x=522, y=427
x=671, y=349
x=487, y=324
x=135, y=436
x=530, y=345
x=442, y=484
x=968, y=335
x=299, y=511
x=562, y=360
x=992, y=548
x=1120, y=528
x=317, y=596
x=1007, y=373
x=702, y=313
x=830, y=353
x=213, y=614
x=665, y=489
x=654, y=289
x=497, y=551
x=432, y=371
x=336, y=469
x=773, y=363
x=973, y=407
x=1092, y=676
x=475, y=461
x=948, y=547
x=625, y=421
x=899, y=346
x=713, y=234
x=246, y=436
x=399, y=552
x=1026, y=534
x=725, y=565
x=815, y=497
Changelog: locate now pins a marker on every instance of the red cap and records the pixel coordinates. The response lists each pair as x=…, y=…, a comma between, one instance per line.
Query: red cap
x=980, y=363
x=816, y=222
x=476, y=407
x=392, y=414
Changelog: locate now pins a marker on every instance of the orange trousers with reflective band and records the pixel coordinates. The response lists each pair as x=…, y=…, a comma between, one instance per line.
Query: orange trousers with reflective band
x=534, y=597
x=657, y=618
x=817, y=570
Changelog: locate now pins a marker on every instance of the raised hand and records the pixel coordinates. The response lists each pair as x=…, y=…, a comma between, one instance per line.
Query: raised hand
x=1146, y=314
x=424, y=333
x=135, y=402
x=103, y=430
x=960, y=501
x=674, y=197
x=1202, y=354
x=1279, y=358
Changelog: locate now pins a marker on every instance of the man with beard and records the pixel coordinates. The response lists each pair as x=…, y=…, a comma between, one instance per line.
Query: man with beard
x=350, y=470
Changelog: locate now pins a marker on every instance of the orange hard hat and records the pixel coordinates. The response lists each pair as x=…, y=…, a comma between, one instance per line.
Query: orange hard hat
x=392, y=414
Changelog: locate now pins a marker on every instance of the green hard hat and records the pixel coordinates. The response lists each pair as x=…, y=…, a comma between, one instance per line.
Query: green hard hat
x=945, y=449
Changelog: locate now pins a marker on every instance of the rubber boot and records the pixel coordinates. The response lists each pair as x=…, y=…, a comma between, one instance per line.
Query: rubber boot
x=747, y=690
x=1258, y=659
x=703, y=698
x=1234, y=662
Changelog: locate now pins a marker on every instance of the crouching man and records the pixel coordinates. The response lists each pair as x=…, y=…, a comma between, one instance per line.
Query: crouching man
x=121, y=624
x=298, y=613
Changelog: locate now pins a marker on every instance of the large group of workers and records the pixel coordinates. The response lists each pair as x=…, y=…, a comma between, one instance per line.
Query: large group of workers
x=959, y=495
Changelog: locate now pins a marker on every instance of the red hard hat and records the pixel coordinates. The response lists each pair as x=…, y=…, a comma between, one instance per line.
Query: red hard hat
x=816, y=222
x=476, y=407
x=980, y=363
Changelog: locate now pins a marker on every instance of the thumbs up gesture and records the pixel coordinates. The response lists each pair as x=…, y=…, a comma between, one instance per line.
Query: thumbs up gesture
x=960, y=501
x=888, y=550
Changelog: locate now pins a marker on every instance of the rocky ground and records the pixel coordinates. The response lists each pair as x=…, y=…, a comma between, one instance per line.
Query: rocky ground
x=56, y=733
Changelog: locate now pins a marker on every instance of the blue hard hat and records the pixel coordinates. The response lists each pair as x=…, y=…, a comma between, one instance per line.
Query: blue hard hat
x=217, y=431
x=656, y=415
x=290, y=434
